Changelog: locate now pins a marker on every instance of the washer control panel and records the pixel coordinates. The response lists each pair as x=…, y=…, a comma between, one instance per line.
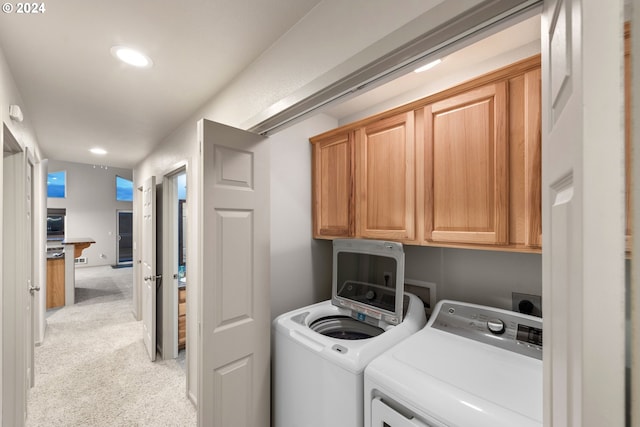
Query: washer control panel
x=508, y=330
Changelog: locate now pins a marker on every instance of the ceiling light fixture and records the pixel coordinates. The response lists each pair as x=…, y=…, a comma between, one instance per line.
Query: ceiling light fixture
x=98, y=151
x=131, y=56
x=428, y=66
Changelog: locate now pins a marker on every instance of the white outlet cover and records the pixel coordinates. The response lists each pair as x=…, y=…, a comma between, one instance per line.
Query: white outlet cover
x=429, y=305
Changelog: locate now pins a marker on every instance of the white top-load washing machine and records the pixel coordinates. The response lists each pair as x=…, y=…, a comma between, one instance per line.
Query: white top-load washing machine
x=471, y=366
x=321, y=351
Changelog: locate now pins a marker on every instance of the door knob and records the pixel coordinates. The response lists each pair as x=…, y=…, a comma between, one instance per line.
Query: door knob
x=33, y=289
x=156, y=277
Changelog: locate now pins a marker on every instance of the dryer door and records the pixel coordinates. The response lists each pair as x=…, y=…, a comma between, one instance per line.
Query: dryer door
x=383, y=415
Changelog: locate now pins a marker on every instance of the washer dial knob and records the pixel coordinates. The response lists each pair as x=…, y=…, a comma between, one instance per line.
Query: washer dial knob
x=496, y=326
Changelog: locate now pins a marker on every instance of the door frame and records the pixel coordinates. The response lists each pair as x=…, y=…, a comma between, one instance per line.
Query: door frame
x=40, y=248
x=170, y=259
x=14, y=276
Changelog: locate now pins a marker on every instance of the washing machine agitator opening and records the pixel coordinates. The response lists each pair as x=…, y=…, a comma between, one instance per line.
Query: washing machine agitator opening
x=344, y=327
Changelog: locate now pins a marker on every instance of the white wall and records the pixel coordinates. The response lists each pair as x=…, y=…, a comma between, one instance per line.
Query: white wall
x=477, y=276
x=300, y=265
x=91, y=207
x=9, y=95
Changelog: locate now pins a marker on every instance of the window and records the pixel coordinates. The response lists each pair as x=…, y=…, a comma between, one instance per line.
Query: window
x=57, y=184
x=124, y=189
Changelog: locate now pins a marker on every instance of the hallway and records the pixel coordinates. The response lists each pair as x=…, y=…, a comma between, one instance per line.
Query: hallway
x=92, y=369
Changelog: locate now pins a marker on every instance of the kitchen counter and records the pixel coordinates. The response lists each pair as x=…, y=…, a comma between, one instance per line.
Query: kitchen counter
x=75, y=246
x=79, y=244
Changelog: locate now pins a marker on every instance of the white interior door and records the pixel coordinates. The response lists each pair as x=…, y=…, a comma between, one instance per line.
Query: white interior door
x=234, y=355
x=583, y=212
x=149, y=266
x=138, y=217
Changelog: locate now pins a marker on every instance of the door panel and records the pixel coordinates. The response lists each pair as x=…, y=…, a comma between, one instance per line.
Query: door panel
x=235, y=300
x=583, y=213
x=149, y=266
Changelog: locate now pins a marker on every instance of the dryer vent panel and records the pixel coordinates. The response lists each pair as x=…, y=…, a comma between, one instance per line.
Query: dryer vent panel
x=426, y=291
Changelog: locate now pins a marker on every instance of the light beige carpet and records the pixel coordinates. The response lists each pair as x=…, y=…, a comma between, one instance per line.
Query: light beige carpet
x=93, y=370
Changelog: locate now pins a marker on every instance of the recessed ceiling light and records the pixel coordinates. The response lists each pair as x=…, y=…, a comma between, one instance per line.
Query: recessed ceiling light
x=99, y=151
x=131, y=56
x=428, y=66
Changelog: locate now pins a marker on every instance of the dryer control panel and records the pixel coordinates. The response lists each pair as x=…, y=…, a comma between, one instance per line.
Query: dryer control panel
x=508, y=330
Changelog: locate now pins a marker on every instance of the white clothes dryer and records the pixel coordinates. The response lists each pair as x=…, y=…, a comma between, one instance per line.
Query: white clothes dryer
x=471, y=366
x=321, y=351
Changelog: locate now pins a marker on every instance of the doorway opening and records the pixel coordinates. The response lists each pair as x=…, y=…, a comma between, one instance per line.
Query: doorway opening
x=124, y=248
x=173, y=253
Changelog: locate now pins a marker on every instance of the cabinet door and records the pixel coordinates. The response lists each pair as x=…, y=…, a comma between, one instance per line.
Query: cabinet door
x=466, y=168
x=333, y=187
x=525, y=204
x=385, y=184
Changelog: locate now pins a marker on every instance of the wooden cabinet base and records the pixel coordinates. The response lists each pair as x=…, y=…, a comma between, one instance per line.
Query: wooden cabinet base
x=55, y=283
x=182, y=318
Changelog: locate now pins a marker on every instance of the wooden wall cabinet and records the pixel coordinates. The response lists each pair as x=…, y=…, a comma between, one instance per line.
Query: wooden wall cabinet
x=385, y=181
x=363, y=182
x=481, y=180
x=333, y=192
x=525, y=160
x=461, y=168
x=465, y=181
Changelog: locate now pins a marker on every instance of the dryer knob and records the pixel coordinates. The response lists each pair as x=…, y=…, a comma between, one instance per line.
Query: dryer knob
x=496, y=326
x=370, y=295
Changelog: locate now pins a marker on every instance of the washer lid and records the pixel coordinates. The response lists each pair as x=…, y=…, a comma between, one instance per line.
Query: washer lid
x=368, y=278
